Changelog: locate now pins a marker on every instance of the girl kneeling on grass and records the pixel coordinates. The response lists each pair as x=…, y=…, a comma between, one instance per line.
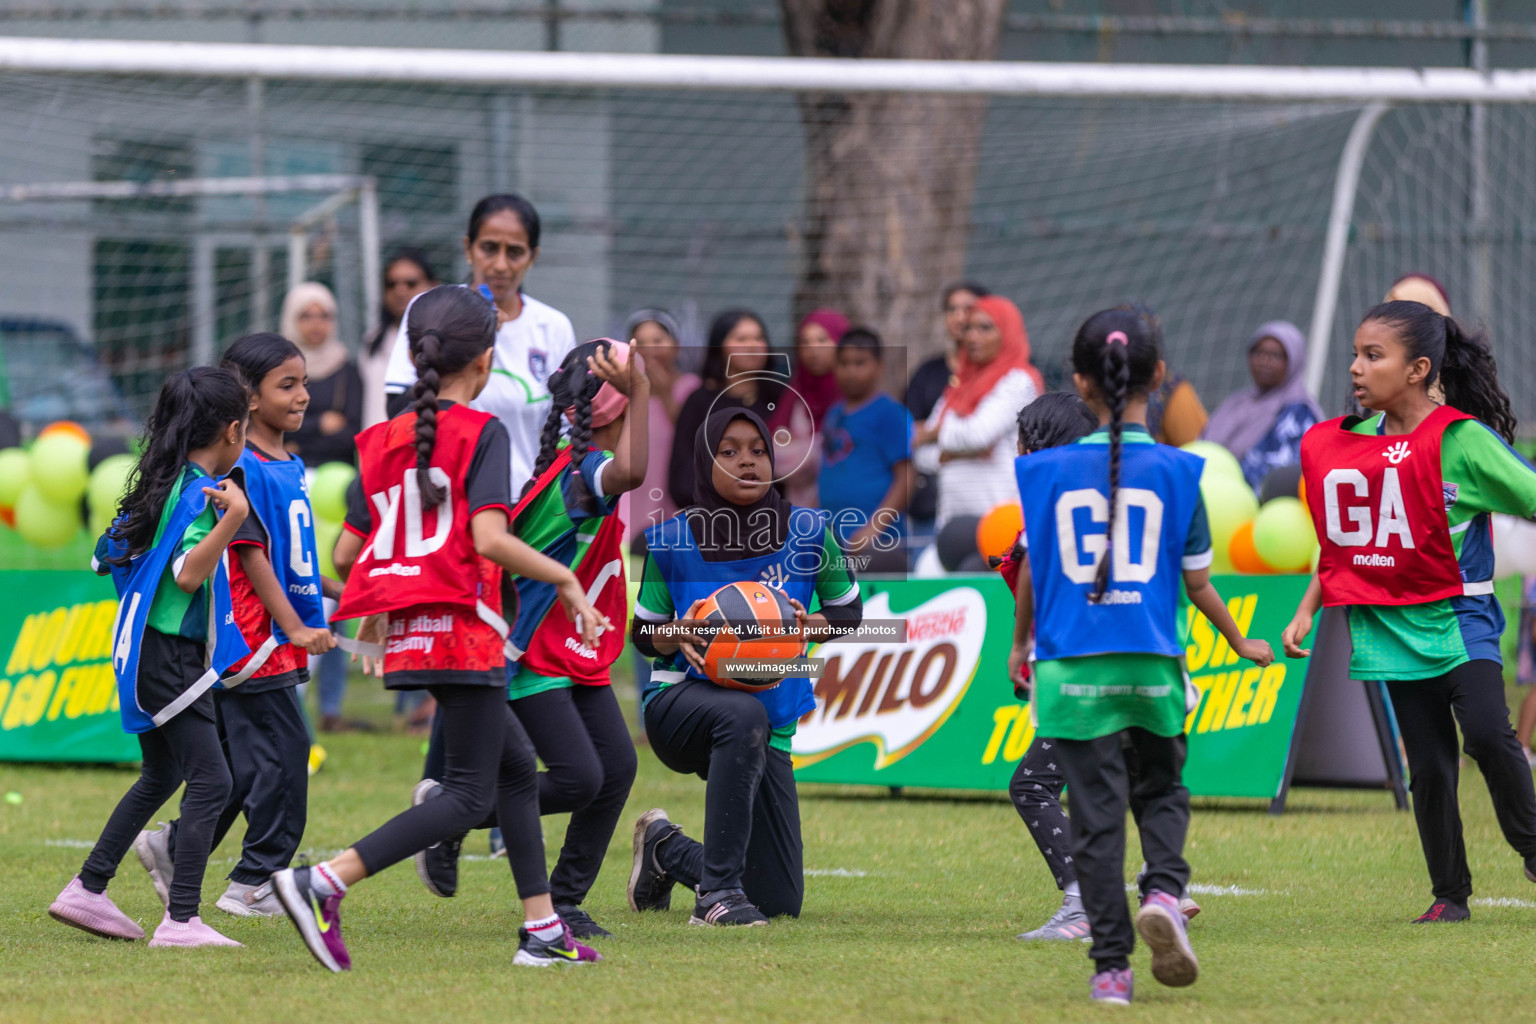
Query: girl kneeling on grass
x=748, y=868
x=430, y=561
x=1401, y=503
x=173, y=637
x=1114, y=524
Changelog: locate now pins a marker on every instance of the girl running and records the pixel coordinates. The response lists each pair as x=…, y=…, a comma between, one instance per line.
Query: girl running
x=173, y=637
x=559, y=687
x=1109, y=684
x=748, y=868
x=276, y=588
x=428, y=557
x=1401, y=501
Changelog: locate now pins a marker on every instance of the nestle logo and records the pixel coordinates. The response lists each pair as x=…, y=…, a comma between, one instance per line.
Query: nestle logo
x=1376, y=561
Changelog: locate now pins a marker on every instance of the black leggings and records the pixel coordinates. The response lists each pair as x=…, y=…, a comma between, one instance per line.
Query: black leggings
x=185, y=749
x=1428, y=711
x=1036, y=794
x=751, y=809
x=582, y=738
x=1103, y=776
x=488, y=764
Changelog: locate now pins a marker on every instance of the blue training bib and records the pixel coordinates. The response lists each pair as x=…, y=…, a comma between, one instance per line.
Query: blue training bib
x=792, y=569
x=279, y=498
x=1065, y=496
x=136, y=584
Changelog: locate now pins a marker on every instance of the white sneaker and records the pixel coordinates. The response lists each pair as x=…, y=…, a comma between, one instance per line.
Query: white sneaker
x=244, y=900
x=154, y=850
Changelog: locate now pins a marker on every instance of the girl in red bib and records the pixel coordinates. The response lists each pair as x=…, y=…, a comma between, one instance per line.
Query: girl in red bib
x=1401, y=502
x=428, y=562
x=559, y=687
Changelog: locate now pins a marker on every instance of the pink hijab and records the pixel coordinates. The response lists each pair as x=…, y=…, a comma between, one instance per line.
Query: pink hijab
x=820, y=392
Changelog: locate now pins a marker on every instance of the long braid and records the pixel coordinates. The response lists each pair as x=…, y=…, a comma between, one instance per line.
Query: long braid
x=425, y=407
x=549, y=439
x=571, y=387
x=1116, y=374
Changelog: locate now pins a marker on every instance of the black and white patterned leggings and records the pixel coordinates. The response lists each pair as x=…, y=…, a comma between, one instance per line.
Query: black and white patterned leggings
x=1036, y=793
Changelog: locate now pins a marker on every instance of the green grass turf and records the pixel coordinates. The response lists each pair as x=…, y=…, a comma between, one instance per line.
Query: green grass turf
x=910, y=914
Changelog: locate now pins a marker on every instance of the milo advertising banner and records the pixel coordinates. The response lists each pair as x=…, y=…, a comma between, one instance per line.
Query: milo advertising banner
x=58, y=696
x=936, y=709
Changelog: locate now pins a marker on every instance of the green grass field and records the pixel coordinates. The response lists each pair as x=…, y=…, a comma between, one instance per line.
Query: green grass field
x=910, y=912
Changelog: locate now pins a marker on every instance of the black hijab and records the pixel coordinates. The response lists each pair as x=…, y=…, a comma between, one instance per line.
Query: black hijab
x=723, y=530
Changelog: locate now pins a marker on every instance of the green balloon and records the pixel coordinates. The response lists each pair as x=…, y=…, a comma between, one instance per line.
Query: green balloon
x=327, y=533
x=1283, y=535
x=15, y=474
x=1217, y=459
x=46, y=524
x=1229, y=503
x=108, y=482
x=328, y=490
x=59, y=467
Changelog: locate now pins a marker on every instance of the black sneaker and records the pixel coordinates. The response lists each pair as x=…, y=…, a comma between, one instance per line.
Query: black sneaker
x=726, y=906
x=1530, y=868
x=1444, y=912
x=580, y=922
x=650, y=887
x=438, y=865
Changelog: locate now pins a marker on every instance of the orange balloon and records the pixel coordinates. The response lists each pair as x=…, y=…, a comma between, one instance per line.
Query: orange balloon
x=69, y=427
x=1301, y=492
x=8, y=517
x=998, y=530
x=1244, y=557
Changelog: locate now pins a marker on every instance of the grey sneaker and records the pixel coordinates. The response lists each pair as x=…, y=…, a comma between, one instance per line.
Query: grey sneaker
x=244, y=900
x=154, y=850
x=1068, y=924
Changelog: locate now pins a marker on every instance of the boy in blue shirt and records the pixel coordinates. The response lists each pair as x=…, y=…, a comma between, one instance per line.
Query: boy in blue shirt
x=866, y=463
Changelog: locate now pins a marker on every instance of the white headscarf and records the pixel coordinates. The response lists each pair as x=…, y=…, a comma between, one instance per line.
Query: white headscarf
x=330, y=355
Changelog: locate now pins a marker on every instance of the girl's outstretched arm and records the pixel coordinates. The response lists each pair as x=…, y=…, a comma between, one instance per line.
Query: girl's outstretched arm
x=1197, y=583
x=203, y=559
x=492, y=541
x=1301, y=623
x=627, y=470
x=253, y=559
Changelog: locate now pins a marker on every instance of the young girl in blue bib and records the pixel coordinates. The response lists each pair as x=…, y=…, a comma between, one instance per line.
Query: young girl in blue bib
x=1115, y=525
x=748, y=867
x=173, y=637
x=276, y=590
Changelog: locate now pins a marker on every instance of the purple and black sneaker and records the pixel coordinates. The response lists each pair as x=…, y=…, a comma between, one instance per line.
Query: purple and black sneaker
x=1112, y=988
x=533, y=951
x=318, y=920
x=1163, y=928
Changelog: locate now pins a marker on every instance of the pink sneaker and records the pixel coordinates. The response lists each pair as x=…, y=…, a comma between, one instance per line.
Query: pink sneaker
x=93, y=912
x=188, y=934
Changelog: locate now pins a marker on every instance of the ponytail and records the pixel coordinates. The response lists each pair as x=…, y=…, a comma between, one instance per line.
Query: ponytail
x=1470, y=378
x=571, y=387
x=425, y=407
x=193, y=408
x=448, y=328
x=1116, y=374
x=1461, y=359
x=1118, y=350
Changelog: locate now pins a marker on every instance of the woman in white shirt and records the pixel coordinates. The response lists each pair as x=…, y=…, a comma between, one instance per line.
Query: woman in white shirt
x=970, y=437
x=501, y=244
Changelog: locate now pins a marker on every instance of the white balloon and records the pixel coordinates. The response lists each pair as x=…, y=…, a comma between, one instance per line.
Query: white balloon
x=1514, y=547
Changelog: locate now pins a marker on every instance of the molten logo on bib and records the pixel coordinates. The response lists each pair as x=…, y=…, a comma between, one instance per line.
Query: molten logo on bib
x=895, y=695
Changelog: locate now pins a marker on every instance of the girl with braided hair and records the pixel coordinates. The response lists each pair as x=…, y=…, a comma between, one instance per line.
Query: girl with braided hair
x=559, y=685
x=1115, y=526
x=1401, y=500
x=423, y=553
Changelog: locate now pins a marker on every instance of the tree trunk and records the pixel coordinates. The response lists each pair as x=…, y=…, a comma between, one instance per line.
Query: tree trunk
x=889, y=177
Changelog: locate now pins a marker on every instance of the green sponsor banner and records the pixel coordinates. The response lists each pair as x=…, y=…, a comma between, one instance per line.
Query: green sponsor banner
x=938, y=710
x=58, y=696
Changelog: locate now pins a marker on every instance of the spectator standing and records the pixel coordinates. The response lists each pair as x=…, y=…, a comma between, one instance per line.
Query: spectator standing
x=927, y=386
x=735, y=366
x=814, y=381
x=335, y=412
x=1262, y=425
x=407, y=274
x=969, y=440
x=655, y=333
